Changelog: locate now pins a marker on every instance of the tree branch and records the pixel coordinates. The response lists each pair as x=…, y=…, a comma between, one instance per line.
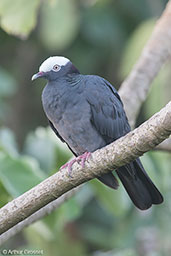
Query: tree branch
x=118, y=153
x=134, y=89
x=165, y=145
x=44, y=211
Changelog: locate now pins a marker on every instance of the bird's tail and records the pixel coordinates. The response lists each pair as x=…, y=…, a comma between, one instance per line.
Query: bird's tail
x=138, y=185
x=109, y=180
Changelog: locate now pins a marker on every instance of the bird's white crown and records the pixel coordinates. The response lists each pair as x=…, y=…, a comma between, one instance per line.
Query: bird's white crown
x=48, y=64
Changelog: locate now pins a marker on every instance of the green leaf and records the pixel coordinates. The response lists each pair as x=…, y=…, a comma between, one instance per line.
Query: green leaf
x=59, y=23
x=19, y=17
x=19, y=174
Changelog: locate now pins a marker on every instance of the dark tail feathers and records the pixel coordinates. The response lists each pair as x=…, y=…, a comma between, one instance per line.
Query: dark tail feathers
x=138, y=185
x=109, y=180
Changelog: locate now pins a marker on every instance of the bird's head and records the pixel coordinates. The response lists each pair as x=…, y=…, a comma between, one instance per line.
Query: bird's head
x=55, y=67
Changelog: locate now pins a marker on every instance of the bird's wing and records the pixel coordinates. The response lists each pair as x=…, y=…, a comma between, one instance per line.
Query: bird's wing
x=59, y=136
x=109, y=119
x=55, y=131
x=107, y=113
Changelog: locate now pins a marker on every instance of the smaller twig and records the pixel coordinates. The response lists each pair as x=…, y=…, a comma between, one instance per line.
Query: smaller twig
x=46, y=210
x=165, y=145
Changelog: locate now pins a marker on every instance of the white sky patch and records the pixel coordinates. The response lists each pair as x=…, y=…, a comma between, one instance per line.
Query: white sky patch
x=48, y=64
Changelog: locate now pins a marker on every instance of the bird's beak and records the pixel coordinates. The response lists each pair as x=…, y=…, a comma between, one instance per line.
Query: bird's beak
x=38, y=75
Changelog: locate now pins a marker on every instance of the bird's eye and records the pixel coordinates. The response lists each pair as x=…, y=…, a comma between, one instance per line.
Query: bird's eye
x=56, y=67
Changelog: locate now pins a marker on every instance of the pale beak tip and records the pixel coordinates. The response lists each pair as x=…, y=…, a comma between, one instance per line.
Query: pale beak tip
x=34, y=77
x=39, y=74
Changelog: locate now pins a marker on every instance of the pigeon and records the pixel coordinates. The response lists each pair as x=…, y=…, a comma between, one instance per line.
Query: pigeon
x=86, y=112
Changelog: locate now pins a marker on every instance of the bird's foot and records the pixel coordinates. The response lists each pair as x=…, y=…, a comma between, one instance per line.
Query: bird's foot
x=82, y=158
x=69, y=166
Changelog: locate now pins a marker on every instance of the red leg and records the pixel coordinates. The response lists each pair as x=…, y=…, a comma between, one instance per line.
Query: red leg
x=84, y=157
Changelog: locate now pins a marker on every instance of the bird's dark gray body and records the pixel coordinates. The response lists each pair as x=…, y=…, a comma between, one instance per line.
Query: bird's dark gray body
x=86, y=112
x=70, y=113
x=76, y=110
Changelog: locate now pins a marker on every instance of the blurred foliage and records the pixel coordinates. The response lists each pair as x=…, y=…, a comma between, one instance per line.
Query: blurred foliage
x=103, y=37
x=158, y=95
x=7, y=89
x=19, y=18
x=61, y=32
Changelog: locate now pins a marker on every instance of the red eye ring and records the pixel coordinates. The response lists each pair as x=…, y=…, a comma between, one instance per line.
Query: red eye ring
x=56, y=67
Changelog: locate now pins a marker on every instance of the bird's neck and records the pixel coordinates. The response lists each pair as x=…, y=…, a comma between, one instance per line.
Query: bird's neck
x=73, y=70
x=58, y=94
x=73, y=79
x=62, y=87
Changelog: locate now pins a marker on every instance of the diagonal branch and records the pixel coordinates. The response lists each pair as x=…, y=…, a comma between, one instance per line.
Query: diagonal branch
x=156, y=52
x=118, y=153
x=134, y=89
x=44, y=211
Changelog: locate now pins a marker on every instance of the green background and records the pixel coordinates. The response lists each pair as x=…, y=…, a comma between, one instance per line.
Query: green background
x=103, y=37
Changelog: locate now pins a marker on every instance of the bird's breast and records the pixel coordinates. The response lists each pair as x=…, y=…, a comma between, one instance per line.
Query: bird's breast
x=70, y=114
x=54, y=103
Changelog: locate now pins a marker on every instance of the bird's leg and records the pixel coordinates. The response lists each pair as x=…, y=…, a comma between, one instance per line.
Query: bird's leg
x=84, y=157
x=69, y=165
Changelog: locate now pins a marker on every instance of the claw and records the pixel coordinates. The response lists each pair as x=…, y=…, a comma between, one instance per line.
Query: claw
x=83, y=158
x=69, y=165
